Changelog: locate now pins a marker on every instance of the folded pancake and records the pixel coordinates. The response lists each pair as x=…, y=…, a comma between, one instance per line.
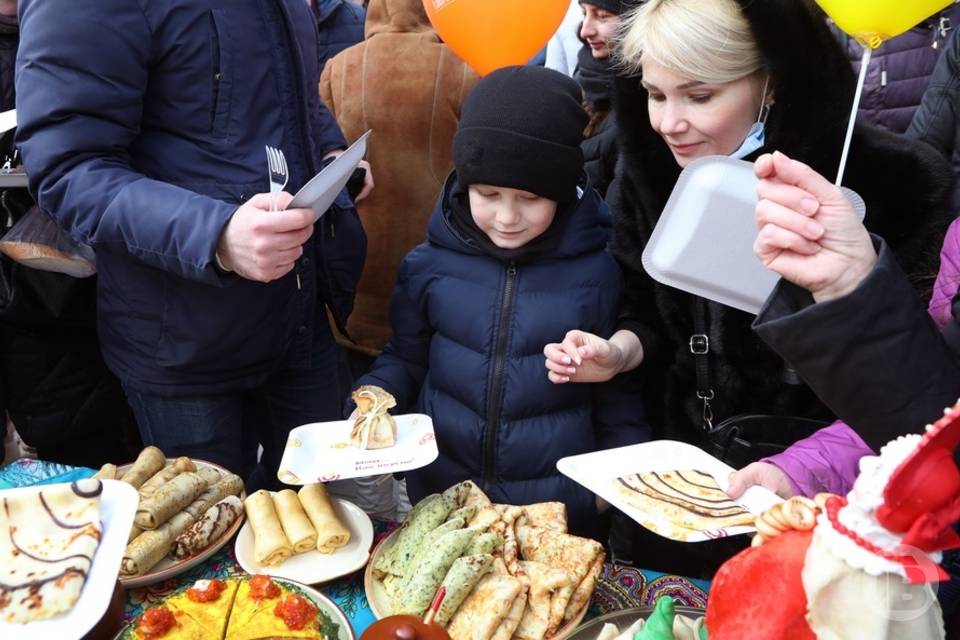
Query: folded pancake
x=463, y=576
x=427, y=543
x=48, y=538
x=296, y=525
x=147, y=463
x=202, y=533
x=541, y=619
x=485, y=608
x=270, y=544
x=511, y=550
x=475, y=496
x=228, y=485
x=511, y=621
x=485, y=543
x=581, y=595
x=432, y=512
x=373, y=427
x=466, y=513
x=687, y=498
x=546, y=515
x=575, y=555
x=426, y=577
x=331, y=532
x=149, y=548
x=166, y=474
x=169, y=499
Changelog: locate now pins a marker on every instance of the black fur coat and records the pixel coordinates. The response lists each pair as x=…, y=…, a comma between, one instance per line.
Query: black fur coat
x=905, y=186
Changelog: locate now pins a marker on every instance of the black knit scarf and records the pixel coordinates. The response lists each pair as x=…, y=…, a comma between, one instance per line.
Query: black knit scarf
x=596, y=78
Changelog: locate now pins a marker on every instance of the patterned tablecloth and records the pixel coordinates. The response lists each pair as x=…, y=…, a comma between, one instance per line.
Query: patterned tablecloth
x=618, y=587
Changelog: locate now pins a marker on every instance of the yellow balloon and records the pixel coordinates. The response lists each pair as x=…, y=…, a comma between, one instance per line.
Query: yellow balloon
x=873, y=21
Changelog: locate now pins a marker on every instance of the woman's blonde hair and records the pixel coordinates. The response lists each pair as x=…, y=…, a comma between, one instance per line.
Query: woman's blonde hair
x=706, y=40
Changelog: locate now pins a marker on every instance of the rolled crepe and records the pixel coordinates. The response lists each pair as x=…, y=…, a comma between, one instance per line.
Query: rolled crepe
x=229, y=485
x=107, y=472
x=331, y=533
x=148, y=463
x=463, y=576
x=172, y=497
x=166, y=474
x=134, y=532
x=149, y=547
x=211, y=475
x=426, y=577
x=270, y=544
x=214, y=523
x=296, y=525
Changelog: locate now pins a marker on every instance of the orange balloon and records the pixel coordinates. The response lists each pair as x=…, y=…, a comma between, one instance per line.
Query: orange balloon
x=489, y=34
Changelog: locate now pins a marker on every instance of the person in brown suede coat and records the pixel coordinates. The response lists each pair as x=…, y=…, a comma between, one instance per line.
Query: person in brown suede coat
x=407, y=86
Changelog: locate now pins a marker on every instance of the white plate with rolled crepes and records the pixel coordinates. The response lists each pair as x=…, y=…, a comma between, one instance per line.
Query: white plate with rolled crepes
x=671, y=488
x=304, y=535
x=507, y=571
x=372, y=443
x=188, y=509
x=60, y=550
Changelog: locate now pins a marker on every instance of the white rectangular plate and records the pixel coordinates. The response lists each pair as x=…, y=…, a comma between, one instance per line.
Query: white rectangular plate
x=118, y=505
x=321, y=452
x=596, y=471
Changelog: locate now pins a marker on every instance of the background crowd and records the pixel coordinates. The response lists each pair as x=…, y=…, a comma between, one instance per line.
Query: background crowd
x=491, y=274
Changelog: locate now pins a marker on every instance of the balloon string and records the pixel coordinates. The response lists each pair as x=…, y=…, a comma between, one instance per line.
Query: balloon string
x=864, y=63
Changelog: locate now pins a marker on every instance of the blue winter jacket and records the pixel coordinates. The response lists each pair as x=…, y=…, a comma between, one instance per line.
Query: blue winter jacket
x=467, y=349
x=142, y=126
x=340, y=25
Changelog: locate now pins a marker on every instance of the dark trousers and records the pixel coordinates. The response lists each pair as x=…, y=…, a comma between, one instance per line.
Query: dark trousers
x=227, y=428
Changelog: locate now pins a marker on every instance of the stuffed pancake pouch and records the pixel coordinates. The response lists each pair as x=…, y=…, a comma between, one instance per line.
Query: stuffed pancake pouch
x=214, y=523
x=270, y=544
x=171, y=498
x=425, y=578
x=373, y=428
x=480, y=615
x=47, y=542
x=331, y=532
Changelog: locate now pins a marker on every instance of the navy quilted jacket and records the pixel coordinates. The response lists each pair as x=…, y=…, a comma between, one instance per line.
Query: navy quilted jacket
x=142, y=126
x=339, y=25
x=467, y=349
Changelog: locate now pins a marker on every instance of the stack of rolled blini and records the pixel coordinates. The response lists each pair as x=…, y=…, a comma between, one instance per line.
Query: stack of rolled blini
x=183, y=508
x=287, y=523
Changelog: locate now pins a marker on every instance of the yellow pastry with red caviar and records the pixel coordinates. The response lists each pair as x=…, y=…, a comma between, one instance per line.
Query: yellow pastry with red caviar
x=234, y=609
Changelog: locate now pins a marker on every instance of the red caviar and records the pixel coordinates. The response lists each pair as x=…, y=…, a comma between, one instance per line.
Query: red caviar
x=295, y=611
x=209, y=594
x=262, y=587
x=156, y=622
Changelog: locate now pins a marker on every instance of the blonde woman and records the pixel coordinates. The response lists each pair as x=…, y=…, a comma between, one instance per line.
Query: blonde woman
x=734, y=78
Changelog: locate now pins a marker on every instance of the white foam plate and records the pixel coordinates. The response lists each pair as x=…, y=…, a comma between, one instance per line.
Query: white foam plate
x=323, y=188
x=118, y=505
x=703, y=241
x=313, y=567
x=597, y=471
x=321, y=452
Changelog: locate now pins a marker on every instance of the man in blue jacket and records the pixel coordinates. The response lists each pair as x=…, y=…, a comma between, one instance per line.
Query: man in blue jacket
x=340, y=25
x=143, y=126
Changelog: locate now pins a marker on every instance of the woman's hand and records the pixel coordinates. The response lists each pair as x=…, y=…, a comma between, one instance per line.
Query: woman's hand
x=763, y=474
x=808, y=230
x=582, y=357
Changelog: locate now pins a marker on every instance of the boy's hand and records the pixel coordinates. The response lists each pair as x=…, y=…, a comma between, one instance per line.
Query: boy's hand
x=263, y=245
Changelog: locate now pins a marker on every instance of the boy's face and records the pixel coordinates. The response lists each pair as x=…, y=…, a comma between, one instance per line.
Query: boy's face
x=510, y=217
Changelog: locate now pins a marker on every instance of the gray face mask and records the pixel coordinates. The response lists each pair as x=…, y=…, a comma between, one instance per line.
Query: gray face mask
x=756, y=135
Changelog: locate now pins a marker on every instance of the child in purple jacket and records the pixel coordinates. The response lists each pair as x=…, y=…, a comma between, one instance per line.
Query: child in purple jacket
x=828, y=461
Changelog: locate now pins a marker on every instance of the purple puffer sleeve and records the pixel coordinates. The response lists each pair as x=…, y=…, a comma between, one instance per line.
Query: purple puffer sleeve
x=949, y=277
x=827, y=461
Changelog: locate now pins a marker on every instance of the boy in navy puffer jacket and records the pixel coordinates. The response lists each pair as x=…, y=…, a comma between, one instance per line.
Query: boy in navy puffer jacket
x=515, y=256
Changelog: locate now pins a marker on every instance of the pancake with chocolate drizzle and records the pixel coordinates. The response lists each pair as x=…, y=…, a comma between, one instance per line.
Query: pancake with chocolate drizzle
x=48, y=538
x=687, y=498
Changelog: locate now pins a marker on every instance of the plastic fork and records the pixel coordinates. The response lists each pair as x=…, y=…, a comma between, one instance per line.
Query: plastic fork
x=277, y=166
